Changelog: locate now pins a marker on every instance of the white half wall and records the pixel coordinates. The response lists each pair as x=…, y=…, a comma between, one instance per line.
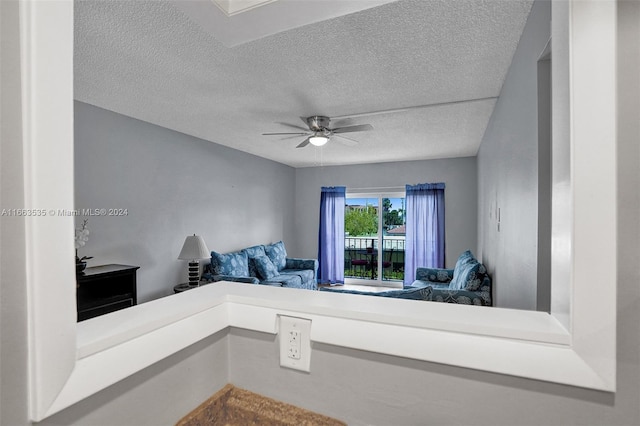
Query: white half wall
x=459, y=175
x=363, y=388
x=508, y=174
x=172, y=185
x=159, y=395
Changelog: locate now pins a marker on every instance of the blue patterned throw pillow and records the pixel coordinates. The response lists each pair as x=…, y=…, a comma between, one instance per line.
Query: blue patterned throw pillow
x=474, y=277
x=252, y=253
x=468, y=273
x=265, y=267
x=463, y=263
x=278, y=254
x=234, y=264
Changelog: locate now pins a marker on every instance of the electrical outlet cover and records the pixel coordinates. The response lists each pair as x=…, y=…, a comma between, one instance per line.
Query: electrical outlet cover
x=295, y=342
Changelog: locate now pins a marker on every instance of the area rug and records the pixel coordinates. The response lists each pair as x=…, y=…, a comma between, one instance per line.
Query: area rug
x=232, y=406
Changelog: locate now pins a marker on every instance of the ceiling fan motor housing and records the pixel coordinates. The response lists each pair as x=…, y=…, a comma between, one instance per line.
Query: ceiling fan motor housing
x=318, y=122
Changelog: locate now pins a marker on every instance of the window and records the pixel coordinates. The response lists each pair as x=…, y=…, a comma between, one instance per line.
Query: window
x=375, y=238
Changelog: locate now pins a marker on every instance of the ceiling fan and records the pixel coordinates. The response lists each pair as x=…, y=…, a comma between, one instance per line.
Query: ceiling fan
x=319, y=132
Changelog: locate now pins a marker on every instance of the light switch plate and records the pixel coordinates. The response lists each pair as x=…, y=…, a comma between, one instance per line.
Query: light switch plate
x=295, y=342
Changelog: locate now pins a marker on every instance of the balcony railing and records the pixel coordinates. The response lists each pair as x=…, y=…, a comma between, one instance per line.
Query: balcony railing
x=361, y=252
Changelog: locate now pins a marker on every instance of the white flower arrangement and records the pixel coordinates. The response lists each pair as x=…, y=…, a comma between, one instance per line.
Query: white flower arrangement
x=81, y=237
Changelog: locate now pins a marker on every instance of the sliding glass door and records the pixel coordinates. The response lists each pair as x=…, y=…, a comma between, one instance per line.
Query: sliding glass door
x=374, y=238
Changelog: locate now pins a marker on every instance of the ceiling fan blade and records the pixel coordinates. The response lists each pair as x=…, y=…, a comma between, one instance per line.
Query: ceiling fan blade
x=303, y=143
x=304, y=120
x=358, y=128
x=345, y=140
x=305, y=129
x=289, y=137
x=277, y=134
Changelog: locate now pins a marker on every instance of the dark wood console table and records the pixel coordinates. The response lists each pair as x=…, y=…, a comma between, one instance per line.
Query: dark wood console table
x=104, y=289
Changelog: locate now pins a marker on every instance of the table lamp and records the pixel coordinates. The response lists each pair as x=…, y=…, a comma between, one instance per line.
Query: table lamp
x=194, y=249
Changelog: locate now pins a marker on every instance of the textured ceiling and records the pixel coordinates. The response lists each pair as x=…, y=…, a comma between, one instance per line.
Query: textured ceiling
x=148, y=60
x=268, y=17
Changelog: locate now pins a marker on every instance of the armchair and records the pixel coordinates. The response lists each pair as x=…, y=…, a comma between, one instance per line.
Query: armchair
x=468, y=283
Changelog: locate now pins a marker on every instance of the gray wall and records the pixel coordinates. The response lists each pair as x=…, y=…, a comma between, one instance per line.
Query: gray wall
x=161, y=394
x=508, y=174
x=363, y=388
x=173, y=185
x=13, y=291
x=459, y=175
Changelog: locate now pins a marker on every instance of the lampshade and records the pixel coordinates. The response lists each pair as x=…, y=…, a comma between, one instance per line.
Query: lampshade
x=318, y=140
x=194, y=247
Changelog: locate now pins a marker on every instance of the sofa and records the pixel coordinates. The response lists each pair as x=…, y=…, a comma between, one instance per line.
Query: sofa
x=263, y=264
x=468, y=283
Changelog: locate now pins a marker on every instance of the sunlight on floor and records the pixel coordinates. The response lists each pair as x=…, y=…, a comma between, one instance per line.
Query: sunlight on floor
x=368, y=288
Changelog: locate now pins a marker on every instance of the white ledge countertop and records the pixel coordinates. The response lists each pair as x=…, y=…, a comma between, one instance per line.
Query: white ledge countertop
x=256, y=301
x=502, y=340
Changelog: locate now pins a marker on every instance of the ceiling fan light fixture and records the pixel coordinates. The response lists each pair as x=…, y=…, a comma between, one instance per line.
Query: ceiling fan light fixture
x=320, y=131
x=318, y=140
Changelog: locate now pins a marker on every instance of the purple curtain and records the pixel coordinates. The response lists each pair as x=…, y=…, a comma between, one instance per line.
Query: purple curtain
x=425, y=240
x=331, y=235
